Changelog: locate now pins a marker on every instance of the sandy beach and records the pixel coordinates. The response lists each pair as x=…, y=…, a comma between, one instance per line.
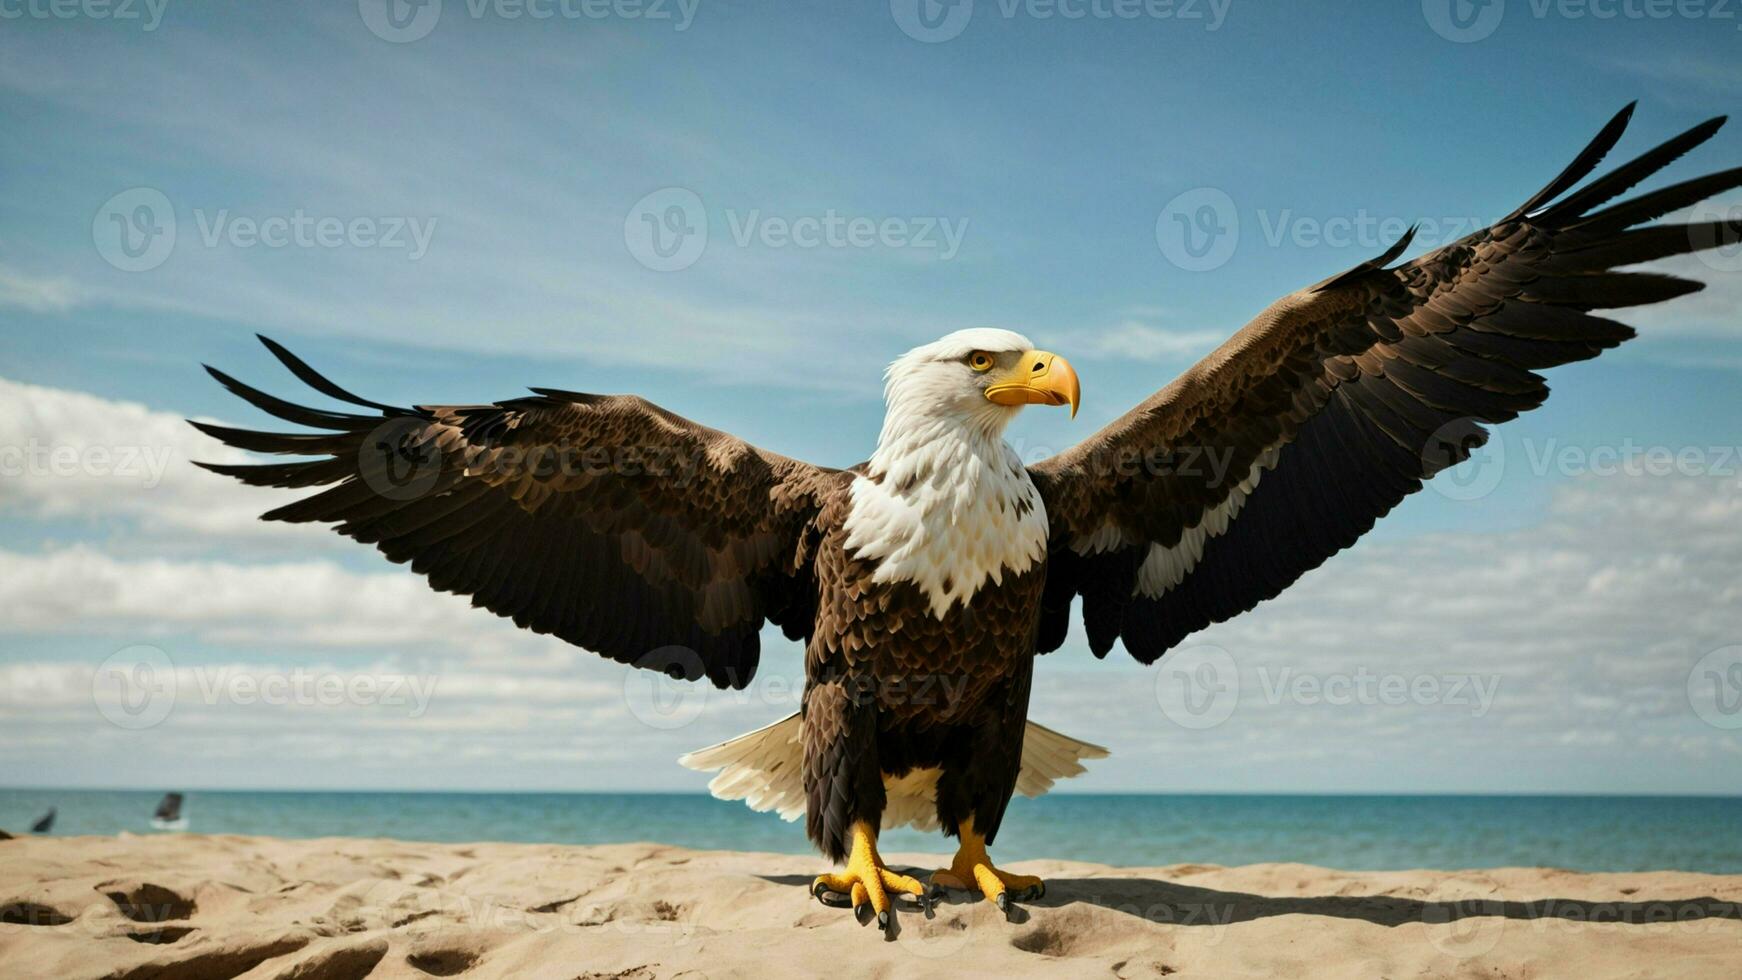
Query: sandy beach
x=209, y=907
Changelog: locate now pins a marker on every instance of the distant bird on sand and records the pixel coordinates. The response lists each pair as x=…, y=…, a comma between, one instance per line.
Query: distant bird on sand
x=168, y=815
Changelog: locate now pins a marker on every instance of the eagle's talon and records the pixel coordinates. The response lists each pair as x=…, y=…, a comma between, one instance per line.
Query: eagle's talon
x=912, y=901
x=866, y=884
x=972, y=870
x=931, y=899
x=821, y=891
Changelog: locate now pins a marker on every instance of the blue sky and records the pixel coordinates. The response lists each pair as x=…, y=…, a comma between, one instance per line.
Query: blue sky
x=528, y=154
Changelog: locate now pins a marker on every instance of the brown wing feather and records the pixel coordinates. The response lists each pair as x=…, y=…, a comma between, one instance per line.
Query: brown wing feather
x=604, y=520
x=1341, y=399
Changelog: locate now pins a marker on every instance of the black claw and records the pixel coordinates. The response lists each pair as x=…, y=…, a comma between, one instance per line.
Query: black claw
x=883, y=920
x=862, y=913
x=832, y=899
x=1003, y=901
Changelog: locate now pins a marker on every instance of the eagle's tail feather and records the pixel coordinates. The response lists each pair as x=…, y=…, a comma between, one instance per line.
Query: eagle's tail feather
x=764, y=768
x=1049, y=756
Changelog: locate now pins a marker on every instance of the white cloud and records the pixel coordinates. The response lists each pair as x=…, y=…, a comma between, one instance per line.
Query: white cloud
x=38, y=294
x=1677, y=74
x=1135, y=340
x=72, y=455
x=251, y=606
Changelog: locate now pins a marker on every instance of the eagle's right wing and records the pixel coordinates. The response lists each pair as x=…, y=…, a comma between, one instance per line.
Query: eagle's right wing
x=604, y=520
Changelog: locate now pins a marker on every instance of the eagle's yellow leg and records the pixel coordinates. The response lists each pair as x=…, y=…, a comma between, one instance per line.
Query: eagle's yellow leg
x=972, y=870
x=867, y=880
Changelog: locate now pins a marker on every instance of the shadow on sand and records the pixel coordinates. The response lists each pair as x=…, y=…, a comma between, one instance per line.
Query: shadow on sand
x=1187, y=905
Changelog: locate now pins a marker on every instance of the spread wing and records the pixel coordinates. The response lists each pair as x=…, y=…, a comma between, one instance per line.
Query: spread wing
x=604, y=520
x=1289, y=441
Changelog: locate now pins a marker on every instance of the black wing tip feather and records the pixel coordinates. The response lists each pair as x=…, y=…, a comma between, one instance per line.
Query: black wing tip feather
x=225, y=434
x=229, y=382
x=565, y=394
x=328, y=425
x=1375, y=264
x=1578, y=203
x=320, y=382
x=1623, y=178
x=1390, y=255
x=333, y=423
x=213, y=467
x=1561, y=203
x=1581, y=165
x=212, y=429
x=226, y=379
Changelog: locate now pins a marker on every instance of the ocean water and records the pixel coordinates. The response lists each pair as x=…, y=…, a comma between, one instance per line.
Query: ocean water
x=1605, y=833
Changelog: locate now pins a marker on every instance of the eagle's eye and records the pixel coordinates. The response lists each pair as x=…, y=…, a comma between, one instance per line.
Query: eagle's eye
x=980, y=361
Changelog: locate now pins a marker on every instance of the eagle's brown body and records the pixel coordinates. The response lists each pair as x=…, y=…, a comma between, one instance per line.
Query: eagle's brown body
x=924, y=582
x=890, y=688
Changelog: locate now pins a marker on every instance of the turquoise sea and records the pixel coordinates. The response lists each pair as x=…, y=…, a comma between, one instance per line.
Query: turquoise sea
x=1583, y=833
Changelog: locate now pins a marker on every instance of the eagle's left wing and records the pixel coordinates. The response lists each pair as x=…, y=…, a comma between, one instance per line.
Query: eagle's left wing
x=1289, y=441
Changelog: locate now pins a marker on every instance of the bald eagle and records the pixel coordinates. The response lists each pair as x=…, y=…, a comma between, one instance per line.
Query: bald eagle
x=943, y=561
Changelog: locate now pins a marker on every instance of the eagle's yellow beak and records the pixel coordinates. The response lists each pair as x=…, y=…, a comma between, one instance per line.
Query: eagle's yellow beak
x=1039, y=378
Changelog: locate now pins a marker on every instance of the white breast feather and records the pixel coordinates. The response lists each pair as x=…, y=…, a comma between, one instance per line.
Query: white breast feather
x=948, y=517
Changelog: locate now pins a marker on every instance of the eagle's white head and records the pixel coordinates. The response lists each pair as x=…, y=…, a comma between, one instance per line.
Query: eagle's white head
x=971, y=382
x=945, y=504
